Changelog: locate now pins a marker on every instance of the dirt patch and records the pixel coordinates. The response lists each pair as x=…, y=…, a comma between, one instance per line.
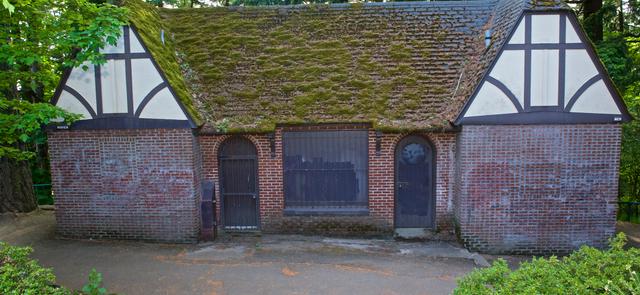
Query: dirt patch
x=359, y=268
x=289, y=272
x=632, y=230
x=26, y=228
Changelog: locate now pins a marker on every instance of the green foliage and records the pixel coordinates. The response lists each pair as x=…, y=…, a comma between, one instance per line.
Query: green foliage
x=630, y=153
x=586, y=271
x=21, y=121
x=20, y=274
x=39, y=41
x=620, y=53
x=8, y=6
x=44, y=194
x=42, y=37
x=621, y=56
x=94, y=287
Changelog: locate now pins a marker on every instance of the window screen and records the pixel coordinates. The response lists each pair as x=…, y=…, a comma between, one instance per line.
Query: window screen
x=325, y=169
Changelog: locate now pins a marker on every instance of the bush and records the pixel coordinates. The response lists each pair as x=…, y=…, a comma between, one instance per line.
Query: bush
x=20, y=274
x=586, y=271
x=94, y=287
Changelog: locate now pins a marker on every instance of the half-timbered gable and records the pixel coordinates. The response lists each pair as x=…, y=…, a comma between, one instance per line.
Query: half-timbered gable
x=547, y=72
x=128, y=91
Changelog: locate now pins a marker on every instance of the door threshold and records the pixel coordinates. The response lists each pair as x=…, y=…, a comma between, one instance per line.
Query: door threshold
x=240, y=233
x=413, y=232
x=241, y=229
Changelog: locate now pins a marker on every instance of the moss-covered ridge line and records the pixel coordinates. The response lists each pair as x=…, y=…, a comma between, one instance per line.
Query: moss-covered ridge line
x=146, y=19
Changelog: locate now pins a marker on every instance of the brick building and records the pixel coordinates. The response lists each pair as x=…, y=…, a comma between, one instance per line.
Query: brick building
x=490, y=119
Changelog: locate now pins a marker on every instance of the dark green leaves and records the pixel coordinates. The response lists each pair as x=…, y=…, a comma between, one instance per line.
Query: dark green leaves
x=21, y=121
x=586, y=271
x=43, y=37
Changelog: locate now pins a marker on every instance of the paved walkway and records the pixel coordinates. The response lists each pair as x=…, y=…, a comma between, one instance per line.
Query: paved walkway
x=272, y=264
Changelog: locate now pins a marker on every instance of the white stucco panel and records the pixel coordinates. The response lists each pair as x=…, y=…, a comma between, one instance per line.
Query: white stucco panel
x=114, y=87
x=545, y=28
x=508, y=71
x=571, y=35
x=69, y=103
x=134, y=43
x=518, y=34
x=490, y=101
x=84, y=83
x=597, y=100
x=144, y=78
x=579, y=68
x=544, y=77
x=163, y=106
x=119, y=48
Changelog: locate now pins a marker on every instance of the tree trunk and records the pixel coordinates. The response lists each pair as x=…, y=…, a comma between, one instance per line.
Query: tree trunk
x=621, y=17
x=591, y=9
x=16, y=187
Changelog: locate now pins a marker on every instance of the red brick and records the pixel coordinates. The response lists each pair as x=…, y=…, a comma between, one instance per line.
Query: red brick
x=537, y=188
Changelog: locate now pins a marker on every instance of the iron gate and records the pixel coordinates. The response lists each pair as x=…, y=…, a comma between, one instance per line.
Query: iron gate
x=238, y=166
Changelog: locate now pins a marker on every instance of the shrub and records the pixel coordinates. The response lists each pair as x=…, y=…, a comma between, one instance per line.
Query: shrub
x=586, y=271
x=94, y=287
x=20, y=274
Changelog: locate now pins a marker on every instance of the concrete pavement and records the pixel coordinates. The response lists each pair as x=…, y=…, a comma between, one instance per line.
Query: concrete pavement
x=268, y=264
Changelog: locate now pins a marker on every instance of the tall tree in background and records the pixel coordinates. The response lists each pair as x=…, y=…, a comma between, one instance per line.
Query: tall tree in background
x=592, y=16
x=40, y=38
x=614, y=28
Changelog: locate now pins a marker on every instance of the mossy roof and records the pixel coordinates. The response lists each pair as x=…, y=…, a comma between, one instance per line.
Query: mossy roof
x=400, y=66
x=146, y=19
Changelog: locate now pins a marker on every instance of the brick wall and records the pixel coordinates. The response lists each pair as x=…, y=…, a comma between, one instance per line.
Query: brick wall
x=537, y=188
x=126, y=184
x=381, y=185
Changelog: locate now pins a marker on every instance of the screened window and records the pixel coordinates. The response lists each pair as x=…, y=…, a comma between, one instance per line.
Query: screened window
x=325, y=169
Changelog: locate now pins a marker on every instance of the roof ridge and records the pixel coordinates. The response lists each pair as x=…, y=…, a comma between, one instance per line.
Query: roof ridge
x=398, y=4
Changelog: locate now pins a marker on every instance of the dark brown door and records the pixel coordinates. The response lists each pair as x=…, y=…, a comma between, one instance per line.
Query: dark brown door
x=238, y=184
x=415, y=198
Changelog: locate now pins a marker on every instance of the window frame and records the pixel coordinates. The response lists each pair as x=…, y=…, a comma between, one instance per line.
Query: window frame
x=326, y=210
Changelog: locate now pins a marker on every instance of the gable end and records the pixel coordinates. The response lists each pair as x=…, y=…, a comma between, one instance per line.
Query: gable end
x=543, y=78
x=129, y=91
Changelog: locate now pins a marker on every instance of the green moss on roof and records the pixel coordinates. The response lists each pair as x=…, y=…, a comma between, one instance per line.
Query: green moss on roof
x=147, y=21
x=390, y=65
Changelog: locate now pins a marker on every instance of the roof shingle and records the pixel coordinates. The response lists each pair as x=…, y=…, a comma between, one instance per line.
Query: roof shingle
x=398, y=65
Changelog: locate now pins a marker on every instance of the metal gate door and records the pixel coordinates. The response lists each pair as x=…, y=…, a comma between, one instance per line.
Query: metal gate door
x=415, y=197
x=238, y=184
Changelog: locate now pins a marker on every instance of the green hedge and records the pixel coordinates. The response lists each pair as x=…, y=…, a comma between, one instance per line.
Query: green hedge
x=586, y=271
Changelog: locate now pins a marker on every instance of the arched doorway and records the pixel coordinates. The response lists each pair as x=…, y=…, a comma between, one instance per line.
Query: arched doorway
x=238, y=168
x=415, y=183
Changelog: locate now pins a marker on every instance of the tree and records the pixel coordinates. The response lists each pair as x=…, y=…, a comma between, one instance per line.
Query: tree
x=592, y=10
x=40, y=39
x=619, y=49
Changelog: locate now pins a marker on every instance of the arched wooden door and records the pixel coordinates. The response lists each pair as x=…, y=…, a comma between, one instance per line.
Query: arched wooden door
x=415, y=183
x=238, y=167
